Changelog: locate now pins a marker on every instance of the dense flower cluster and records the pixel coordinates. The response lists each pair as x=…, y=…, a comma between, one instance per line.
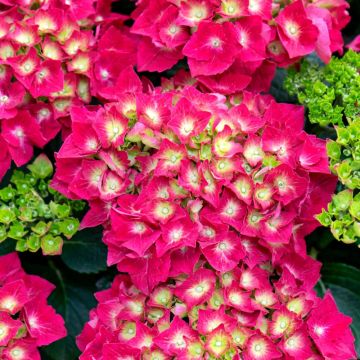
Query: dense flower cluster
x=231, y=45
x=263, y=309
x=184, y=170
x=332, y=95
x=48, y=55
x=33, y=214
x=26, y=320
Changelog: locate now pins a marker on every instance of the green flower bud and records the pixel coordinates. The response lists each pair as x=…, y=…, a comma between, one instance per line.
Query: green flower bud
x=34, y=242
x=7, y=215
x=69, y=227
x=355, y=209
x=324, y=218
x=42, y=167
x=7, y=193
x=21, y=245
x=333, y=150
x=356, y=227
x=342, y=200
x=344, y=170
x=337, y=229
x=51, y=245
x=17, y=231
x=40, y=228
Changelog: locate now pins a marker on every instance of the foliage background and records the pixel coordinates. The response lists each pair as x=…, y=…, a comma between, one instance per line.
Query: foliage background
x=81, y=269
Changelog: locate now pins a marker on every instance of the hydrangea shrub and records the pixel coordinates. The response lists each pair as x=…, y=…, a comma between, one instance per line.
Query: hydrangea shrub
x=33, y=214
x=331, y=94
x=205, y=189
x=27, y=322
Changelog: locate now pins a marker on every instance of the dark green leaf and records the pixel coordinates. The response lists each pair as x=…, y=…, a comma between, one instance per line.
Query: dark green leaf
x=7, y=246
x=73, y=299
x=85, y=252
x=277, y=88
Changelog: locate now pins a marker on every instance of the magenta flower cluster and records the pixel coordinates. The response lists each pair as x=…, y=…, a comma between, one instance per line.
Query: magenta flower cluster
x=181, y=173
x=26, y=320
x=49, y=61
x=263, y=309
x=231, y=45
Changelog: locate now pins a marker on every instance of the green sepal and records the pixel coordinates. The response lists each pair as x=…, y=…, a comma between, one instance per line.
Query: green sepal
x=355, y=209
x=21, y=245
x=324, y=218
x=51, y=245
x=343, y=200
x=7, y=215
x=333, y=150
x=69, y=227
x=17, y=231
x=34, y=242
x=3, y=233
x=7, y=193
x=40, y=228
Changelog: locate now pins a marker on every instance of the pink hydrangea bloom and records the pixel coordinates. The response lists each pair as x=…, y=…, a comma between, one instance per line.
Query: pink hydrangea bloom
x=232, y=45
x=26, y=320
x=260, y=310
x=51, y=59
x=171, y=172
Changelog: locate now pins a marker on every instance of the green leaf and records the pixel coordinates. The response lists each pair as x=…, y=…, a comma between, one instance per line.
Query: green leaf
x=73, y=299
x=344, y=282
x=7, y=246
x=85, y=252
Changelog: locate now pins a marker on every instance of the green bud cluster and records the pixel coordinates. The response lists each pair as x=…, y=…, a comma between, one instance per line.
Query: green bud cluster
x=35, y=215
x=343, y=217
x=331, y=94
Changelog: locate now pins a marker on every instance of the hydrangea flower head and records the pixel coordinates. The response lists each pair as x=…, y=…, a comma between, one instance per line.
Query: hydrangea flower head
x=189, y=173
x=215, y=315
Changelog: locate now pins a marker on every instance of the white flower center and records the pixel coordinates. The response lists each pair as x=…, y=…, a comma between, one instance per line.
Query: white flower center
x=199, y=289
x=4, y=99
x=104, y=74
x=283, y=325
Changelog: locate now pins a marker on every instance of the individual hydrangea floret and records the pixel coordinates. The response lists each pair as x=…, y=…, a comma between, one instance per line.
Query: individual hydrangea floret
x=260, y=310
x=33, y=214
x=232, y=45
x=169, y=173
x=27, y=322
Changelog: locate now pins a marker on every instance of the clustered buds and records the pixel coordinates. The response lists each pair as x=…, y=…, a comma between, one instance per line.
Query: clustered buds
x=262, y=309
x=332, y=96
x=33, y=214
x=181, y=173
x=232, y=45
x=26, y=320
x=49, y=59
